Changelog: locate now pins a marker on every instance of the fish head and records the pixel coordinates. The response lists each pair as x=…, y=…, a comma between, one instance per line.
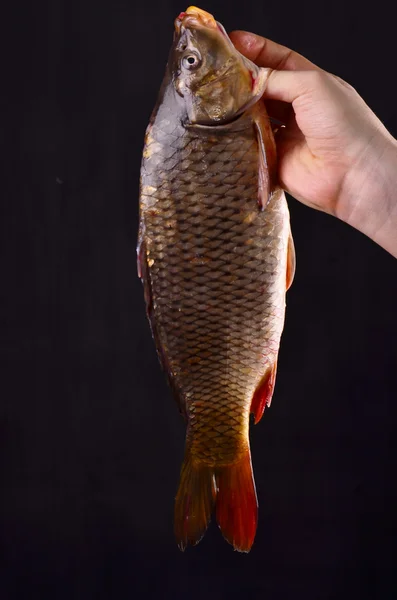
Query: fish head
x=215, y=82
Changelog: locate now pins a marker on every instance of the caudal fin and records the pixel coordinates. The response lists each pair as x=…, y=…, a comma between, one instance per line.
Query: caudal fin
x=237, y=504
x=230, y=488
x=194, y=501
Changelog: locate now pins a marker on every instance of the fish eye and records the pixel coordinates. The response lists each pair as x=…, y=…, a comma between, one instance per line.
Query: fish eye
x=191, y=61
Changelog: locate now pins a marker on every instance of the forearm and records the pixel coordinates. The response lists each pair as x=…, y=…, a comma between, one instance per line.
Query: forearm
x=369, y=197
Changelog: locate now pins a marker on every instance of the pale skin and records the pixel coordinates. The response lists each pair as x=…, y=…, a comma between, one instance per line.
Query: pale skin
x=334, y=154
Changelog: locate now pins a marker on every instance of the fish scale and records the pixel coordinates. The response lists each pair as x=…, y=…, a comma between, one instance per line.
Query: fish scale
x=214, y=224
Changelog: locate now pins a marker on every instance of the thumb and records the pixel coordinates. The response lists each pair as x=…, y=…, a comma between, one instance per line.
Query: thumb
x=288, y=86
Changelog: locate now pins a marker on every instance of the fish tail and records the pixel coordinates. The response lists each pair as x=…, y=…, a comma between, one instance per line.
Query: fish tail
x=194, y=501
x=237, y=504
x=230, y=488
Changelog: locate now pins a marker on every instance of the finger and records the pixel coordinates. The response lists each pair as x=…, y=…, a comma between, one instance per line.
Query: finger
x=266, y=53
x=287, y=86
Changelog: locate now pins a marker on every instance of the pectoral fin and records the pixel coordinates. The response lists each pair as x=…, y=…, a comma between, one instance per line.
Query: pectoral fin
x=291, y=261
x=267, y=179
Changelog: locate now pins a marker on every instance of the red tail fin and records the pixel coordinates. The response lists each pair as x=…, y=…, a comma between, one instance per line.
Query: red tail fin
x=236, y=502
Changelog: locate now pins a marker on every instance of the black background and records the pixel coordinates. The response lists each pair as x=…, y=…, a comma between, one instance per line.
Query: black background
x=90, y=438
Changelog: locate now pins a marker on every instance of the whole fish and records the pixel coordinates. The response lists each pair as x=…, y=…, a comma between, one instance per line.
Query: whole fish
x=216, y=256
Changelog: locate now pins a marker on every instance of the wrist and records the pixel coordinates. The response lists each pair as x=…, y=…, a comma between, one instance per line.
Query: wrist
x=368, y=200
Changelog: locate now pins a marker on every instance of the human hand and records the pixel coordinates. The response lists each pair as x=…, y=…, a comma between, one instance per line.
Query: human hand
x=334, y=153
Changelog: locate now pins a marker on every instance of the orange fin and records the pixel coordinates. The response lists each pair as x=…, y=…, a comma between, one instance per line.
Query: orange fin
x=267, y=157
x=231, y=488
x=264, y=392
x=291, y=261
x=237, y=504
x=194, y=501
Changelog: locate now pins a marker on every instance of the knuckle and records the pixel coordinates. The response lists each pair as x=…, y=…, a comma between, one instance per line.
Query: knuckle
x=319, y=79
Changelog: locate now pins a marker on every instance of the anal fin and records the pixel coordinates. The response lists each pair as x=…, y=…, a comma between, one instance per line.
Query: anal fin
x=264, y=392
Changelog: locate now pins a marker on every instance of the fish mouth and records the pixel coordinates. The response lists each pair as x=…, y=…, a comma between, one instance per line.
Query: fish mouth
x=195, y=17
